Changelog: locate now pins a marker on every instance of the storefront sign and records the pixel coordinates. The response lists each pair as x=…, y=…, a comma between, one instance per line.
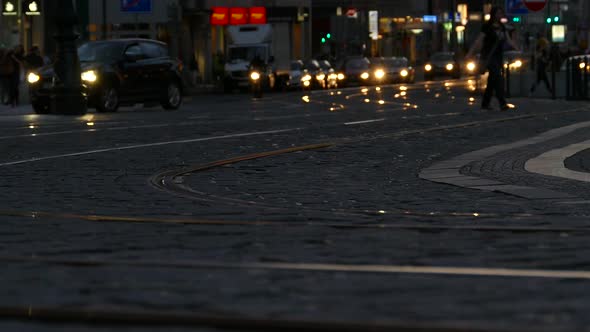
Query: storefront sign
x=257, y=15
x=238, y=15
x=136, y=6
x=374, y=24
x=9, y=8
x=220, y=16
x=32, y=7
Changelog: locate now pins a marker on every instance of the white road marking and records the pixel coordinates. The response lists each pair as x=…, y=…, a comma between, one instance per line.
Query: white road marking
x=137, y=146
x=327, y=267
x=361, y=122
x=552, y=162
x=91, y=130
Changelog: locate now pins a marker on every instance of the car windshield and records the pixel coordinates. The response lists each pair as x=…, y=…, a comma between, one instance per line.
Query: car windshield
x=325, y=65
x=442, y=57
x=312, y=65
x=296, y=66
x=401, y=62
x=100, y=52
x=245, y=53
x=357, y=64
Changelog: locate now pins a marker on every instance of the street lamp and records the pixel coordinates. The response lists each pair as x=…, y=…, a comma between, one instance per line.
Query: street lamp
x=68, y=97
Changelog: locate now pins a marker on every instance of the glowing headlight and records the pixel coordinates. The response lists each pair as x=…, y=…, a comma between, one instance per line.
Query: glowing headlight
x=450, y=66
x=403, y=73
x=471, y=66
x=320, y=77
x=332, y=77
x=341, y=76
x=517, y=64
x=306, y=83
x=428, y=67
x=582, y=66
x=365, y=76
x=33, y=78
x=89, y=76
x=254, y=76
x=306, y=78
x=379, y=74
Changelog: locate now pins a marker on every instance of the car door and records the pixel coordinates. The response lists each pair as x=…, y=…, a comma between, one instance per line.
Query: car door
x=155, y=68
x=134, y=76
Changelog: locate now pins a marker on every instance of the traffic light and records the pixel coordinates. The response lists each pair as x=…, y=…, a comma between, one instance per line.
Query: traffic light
x=548, y=20
x=329, y=35
x=555, y=19
x=323, y=40
x=516, y=19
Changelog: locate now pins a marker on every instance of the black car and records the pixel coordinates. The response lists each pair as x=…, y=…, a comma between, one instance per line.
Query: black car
x=117, y=73
x=442, y=64
x=392, y=70
x=355, y=70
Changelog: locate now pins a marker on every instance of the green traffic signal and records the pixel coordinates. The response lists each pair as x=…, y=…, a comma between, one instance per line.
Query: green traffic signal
x=516, y=19
x=329, y=36
x=548, y=20
x=323, y=40
x=556, y=19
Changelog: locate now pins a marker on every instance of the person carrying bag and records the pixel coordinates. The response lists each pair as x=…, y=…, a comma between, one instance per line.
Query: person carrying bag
x=491, y=41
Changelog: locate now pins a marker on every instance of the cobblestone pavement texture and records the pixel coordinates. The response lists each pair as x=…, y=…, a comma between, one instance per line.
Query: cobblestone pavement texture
x=344, y=204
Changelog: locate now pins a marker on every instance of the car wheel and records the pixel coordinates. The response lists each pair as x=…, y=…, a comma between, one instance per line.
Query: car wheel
x=41, y=107
x=173, y=97
x=108, y=100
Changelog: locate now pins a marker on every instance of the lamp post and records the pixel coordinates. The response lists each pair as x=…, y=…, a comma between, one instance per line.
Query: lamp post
x=68, y=97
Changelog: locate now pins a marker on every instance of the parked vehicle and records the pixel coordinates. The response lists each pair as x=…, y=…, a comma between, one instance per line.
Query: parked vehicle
x=355, y=70
x=116, y=73
x=442, y=64
x=392, y=70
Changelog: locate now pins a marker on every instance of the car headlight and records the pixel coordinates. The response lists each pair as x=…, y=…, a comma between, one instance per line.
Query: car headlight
x=33, y=78
x=428, y=67
x=403, y=73
x=379, y=74
x=89, y=76
x=320, y=77
x=332, y=77
x=517, y=64
x=582, y=65
x=306, y=83
x=450, y=66
x=341, y=76
x=254, y=76
x=365, y=76
x=471, y=66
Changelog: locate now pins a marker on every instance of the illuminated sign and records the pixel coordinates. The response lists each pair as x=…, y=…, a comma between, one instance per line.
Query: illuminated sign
x=238, y=15
x=9, y=8
x=136, y=6
x=257, y=15
x=32, y=7
x=219, y=16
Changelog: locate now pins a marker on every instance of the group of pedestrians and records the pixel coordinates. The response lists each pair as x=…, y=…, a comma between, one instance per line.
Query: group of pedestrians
x=14, y=63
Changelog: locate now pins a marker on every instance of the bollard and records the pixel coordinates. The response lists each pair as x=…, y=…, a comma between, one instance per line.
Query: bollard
x=585, y=77
x=508, y=95
x=568, y=77
x=553, y=87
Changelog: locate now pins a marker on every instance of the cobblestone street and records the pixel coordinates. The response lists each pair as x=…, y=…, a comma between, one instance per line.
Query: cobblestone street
x=349, y=209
